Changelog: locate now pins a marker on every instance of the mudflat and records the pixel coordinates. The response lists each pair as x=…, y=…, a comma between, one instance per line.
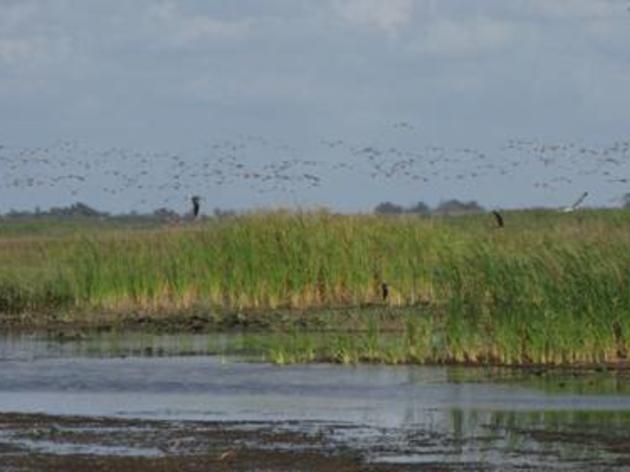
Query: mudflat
x=33, y=442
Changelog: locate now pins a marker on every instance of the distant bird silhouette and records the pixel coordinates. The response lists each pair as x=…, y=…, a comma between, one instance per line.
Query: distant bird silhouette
x=196, y=206
x=498, y=218
x=72, y=168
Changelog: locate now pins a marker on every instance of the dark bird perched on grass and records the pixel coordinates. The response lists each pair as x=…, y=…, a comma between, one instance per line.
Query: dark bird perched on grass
x=498, y=218
x=196, y=203
x=384, y=291
x=622, y=353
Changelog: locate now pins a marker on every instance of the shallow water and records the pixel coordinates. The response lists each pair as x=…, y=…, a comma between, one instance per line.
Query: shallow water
x=411, y=414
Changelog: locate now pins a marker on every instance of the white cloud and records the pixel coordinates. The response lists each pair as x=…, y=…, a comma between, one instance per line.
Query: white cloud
x=12, y=50
x=386, y=15
x=581, y=9
x=28, y=34
x=14, y=45
x=15, y=16
x=463, y=37
x=183, y=28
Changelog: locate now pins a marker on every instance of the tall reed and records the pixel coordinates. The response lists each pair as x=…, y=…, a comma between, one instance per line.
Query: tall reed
x=547, y=288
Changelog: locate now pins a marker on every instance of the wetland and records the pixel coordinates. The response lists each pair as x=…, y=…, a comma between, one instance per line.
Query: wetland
x=199, y=401
x=265, y=342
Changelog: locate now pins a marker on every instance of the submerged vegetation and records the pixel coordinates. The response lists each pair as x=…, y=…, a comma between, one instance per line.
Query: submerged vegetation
x=547, y=288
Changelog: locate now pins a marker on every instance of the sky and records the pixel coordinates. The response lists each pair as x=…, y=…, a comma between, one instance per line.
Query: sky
x=512, y=104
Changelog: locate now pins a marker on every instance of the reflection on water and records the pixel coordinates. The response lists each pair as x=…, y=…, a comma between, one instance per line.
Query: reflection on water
x=560, y=381
x=114, y=344
x=392, y=414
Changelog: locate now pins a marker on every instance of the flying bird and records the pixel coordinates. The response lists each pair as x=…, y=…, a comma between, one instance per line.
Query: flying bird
x=577, y=203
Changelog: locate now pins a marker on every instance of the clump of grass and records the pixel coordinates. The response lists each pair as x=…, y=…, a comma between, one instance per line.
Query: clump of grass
x=548, y=288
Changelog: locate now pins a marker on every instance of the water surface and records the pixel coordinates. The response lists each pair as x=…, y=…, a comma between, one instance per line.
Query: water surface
x=404, y=414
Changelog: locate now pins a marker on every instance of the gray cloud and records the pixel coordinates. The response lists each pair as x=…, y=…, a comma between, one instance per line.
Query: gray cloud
x=171, y=74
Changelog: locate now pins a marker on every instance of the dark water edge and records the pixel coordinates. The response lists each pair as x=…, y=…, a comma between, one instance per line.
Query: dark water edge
x=372, y=334
x=144, y=400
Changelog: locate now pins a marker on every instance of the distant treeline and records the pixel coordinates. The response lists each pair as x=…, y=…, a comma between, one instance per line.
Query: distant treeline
x=448, y=207
x=81, y=210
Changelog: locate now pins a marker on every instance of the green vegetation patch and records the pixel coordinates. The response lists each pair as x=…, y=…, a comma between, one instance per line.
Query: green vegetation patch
x=547, y=288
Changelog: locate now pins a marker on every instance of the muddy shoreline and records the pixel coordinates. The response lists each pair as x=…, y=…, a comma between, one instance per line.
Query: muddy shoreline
x=34, y=442
x=206, y=321
x=80, y=443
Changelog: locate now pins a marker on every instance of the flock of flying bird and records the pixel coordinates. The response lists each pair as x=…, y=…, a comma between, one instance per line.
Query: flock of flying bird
x=140, y=178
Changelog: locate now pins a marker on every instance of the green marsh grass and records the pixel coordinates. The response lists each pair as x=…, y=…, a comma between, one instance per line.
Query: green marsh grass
x=549, y=288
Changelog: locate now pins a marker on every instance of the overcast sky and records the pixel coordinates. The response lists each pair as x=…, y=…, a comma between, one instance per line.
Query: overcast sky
x=166, y=76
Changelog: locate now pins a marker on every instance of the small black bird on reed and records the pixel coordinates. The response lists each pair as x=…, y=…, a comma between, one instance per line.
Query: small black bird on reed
x=498, y=217
x=196, y=203
x=384, y=291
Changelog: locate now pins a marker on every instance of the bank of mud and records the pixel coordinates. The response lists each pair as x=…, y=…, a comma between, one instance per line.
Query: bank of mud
x=210, y=321
x=32, y=442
